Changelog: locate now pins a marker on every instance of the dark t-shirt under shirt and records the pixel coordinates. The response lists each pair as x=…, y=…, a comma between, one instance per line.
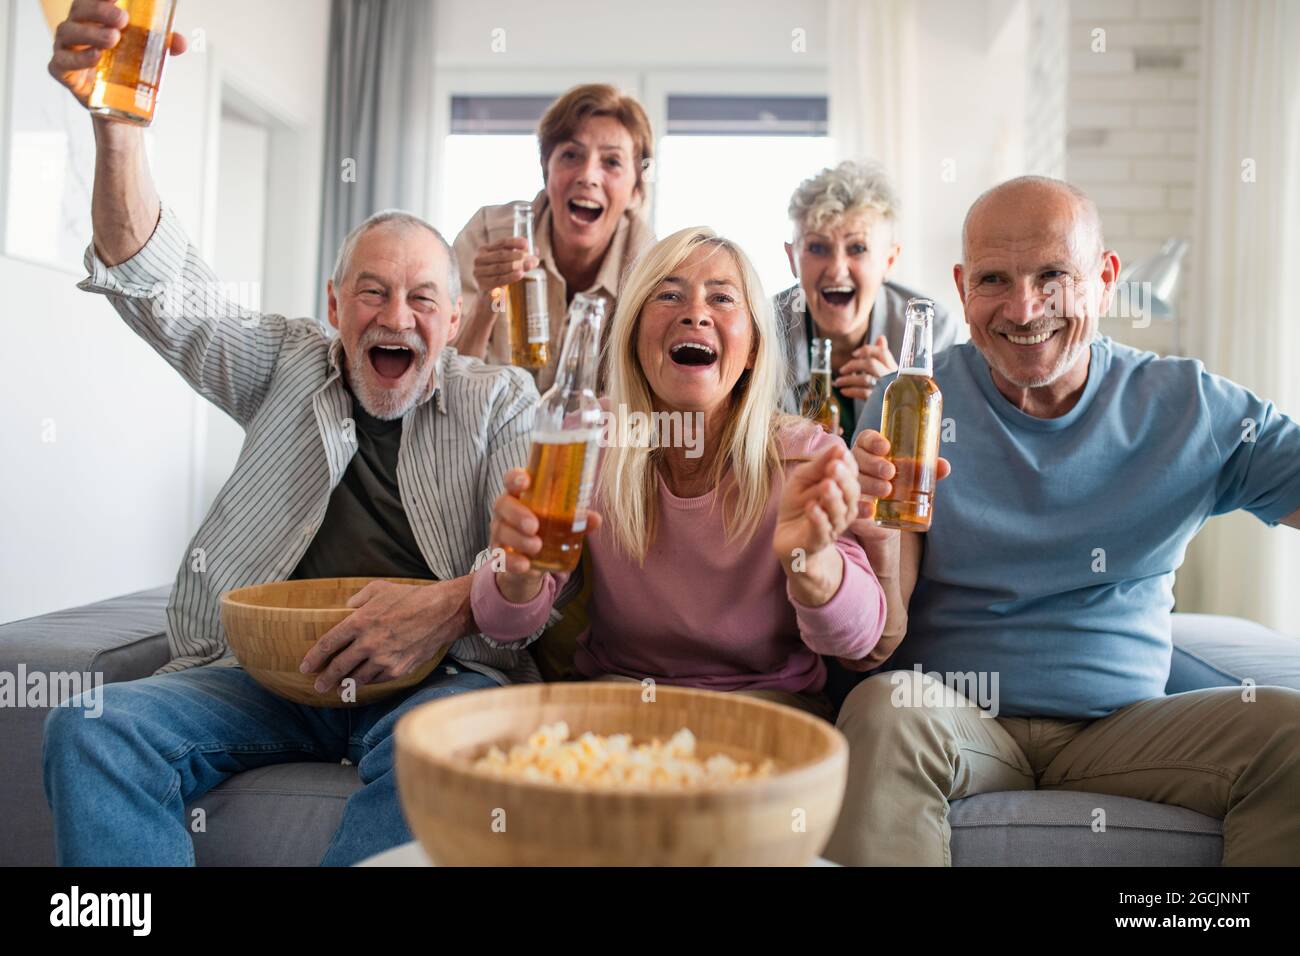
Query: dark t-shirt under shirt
x=365, y=532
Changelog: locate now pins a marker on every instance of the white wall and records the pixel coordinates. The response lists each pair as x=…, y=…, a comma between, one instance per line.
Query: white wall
x=685, y=34
x=108, y=505
x=1048, y=63
x=1132, y=113
x=973, y=78
x=239, y=256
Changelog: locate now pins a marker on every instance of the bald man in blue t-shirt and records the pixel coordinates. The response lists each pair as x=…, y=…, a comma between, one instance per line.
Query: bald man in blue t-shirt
x=1040, y=597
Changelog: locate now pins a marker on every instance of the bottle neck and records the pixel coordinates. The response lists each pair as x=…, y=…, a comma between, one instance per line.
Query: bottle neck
x=821, y=367
x=917, y=356
x=524, y=228
x=576, y=371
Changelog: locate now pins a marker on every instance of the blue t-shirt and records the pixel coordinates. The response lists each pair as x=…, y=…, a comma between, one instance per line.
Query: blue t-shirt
x=1051, y=555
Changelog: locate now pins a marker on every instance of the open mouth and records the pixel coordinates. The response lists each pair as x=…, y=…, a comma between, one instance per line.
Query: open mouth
x=390, y=362
x=1036, y=338
x=693, y=354
x=838, y=295
x=585, y=210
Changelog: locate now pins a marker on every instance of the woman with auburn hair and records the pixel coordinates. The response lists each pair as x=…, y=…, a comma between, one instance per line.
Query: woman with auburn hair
x=595, y=146
x=725, y=564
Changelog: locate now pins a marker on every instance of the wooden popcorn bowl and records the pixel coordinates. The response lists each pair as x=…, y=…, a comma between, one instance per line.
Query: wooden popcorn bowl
x=468, y=817
x=271, y=627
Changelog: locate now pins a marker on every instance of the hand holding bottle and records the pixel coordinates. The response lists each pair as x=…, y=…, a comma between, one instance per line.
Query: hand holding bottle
x=516, y=532
x=875, y=476
x=500, y=263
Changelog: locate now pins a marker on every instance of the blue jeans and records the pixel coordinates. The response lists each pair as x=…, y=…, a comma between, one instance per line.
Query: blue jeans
x=118, y=783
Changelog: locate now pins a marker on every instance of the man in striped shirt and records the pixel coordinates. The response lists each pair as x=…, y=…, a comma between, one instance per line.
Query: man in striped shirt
x=375, y=452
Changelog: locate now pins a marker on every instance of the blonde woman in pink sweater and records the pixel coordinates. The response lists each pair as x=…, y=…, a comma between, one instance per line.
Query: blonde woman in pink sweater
x=726, y=566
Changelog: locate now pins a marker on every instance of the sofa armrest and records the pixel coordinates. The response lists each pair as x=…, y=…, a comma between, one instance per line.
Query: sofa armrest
x=1215, y=651
x=121, y=639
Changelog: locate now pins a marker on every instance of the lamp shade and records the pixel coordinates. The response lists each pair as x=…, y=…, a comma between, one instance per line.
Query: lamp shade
x=1160, y=274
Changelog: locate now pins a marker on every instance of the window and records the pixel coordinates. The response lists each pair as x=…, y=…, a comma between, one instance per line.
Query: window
x=726, y=160
x=731, y=163
x=490, y=154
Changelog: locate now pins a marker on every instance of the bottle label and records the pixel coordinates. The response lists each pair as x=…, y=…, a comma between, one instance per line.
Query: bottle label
x=584, y=486
x=539, y=323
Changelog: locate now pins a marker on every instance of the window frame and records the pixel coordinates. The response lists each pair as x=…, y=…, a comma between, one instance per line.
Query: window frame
x=461, y=82
x=651, y=86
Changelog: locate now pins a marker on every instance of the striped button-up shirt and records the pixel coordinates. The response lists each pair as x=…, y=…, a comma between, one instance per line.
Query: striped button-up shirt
x=282, y=381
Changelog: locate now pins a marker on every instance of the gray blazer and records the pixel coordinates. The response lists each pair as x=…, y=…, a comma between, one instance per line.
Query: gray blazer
x=888, y=315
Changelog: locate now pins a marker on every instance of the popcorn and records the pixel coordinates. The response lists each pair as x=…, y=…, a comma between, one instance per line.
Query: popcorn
x=614, y=761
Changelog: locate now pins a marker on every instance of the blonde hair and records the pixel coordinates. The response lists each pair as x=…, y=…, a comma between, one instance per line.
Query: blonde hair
x=841, y=190
x=627, y=486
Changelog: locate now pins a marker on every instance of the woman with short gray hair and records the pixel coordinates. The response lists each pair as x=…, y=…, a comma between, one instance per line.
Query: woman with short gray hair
x=844, y=247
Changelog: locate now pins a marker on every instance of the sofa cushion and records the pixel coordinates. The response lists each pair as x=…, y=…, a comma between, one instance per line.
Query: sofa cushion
x=287, y=814
x=282, y=815
x=1215, y=651
x=122, y=638
x=1054, y=828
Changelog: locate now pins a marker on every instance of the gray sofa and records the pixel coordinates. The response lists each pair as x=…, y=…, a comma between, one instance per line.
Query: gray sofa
x=286, y=815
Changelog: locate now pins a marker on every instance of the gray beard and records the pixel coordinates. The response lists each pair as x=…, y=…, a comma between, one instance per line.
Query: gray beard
x=1066, y=362
x=386, y=406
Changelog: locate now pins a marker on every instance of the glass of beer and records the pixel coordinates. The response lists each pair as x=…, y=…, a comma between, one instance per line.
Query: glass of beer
x=819, y=402
x=525, y=303
x=128, y=76
x=562, y=462
x=910, y=421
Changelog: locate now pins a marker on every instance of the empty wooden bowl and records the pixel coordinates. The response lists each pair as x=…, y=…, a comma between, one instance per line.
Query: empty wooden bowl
x=468, y=817
x=271, y=627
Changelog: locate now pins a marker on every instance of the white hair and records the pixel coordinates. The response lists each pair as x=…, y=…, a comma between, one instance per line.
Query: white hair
x=401, y=220
x=842, y=190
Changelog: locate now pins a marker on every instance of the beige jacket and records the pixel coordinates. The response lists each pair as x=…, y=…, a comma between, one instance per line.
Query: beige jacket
x=494, y=223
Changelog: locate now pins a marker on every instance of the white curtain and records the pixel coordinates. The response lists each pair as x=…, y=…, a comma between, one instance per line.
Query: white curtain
x=378, y=118
x=873, y=99
x=1244, y=325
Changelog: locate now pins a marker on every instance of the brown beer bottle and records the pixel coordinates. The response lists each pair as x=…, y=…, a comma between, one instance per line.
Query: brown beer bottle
x=562, y=462
x=128, y=76
x=819, y=402
x=910, y=421
x=525, y=303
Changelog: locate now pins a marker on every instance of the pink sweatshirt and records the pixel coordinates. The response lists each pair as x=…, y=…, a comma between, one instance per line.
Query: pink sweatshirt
x=700, y=612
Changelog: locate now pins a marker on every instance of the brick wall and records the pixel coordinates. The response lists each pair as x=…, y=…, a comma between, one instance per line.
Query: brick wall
x=1045, y=94
x=1131, y=112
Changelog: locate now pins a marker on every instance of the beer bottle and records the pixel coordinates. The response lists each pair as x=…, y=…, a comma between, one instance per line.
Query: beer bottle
x=128, y=76
x=910, y=421
x=562, y=462
x=526, y=313
x=819, y=402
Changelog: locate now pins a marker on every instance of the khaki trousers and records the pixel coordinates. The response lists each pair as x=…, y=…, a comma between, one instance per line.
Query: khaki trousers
x=1214, y=751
